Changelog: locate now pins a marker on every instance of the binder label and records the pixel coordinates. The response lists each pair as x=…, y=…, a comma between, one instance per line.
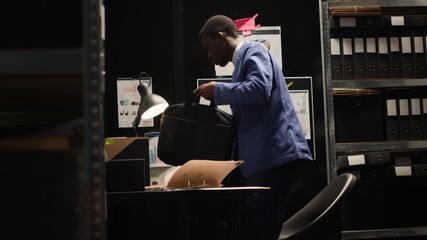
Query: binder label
x=397, y=20
x=335, y=46
x=415, y=106
x=406, y=45
x=347, y=47
x=382, y=45
x=356, y=160
x=418, y=45
x=404, y=107
x=347, y=22
x=370, y=45
x=358, y=45
x=403, y=170
x=391, y=107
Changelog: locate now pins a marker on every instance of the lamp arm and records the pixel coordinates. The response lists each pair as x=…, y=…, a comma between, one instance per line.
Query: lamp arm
x=143, y=91
x=135, y=123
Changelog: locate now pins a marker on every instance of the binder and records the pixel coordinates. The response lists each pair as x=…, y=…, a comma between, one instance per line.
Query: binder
x=351, y=121
x=407, y=53
x=416, y=20
x=404, y=117
x=417, y=129
x=395, y=49
x=392, y=122
x=424, y=112
x=334, y=22
x=378, y=157
x=347, y=57
x=395, y=57
x=336, y=63
x=351, y=160
x=402, y=166
x=420, y=169
x=419, y=52
x=359, y=54
x=383, y=55
x=363, y=159
x=373, y=21
x=371, y=54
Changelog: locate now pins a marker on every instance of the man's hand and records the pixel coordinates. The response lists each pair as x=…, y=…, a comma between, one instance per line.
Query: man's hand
x=206, y=90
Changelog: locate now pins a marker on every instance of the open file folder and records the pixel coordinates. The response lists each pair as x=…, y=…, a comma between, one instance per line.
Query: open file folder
x=198, y=174
x=202, y=173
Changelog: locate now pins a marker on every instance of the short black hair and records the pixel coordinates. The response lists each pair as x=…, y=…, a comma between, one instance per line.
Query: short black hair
x=219, y=23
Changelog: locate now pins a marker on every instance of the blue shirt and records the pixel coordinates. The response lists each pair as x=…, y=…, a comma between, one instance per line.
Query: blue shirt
x=269, y=132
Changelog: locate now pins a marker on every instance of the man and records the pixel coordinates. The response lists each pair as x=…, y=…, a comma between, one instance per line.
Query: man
x=270, y=138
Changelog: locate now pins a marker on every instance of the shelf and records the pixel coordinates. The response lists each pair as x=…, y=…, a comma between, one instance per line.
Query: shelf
x=383, y=146
x=50, y=61
x=384, y=233
x=388, y=3
x=379, y=83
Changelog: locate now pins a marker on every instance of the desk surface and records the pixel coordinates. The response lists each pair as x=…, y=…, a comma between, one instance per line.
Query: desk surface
x=185, y=193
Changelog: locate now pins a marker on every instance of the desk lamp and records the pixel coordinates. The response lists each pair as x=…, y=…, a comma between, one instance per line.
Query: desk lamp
x=150, y=105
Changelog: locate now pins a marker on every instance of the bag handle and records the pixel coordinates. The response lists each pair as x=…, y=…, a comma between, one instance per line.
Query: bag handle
x=196, y=99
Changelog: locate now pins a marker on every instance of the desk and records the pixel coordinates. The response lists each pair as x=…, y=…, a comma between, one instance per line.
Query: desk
x=185, y=214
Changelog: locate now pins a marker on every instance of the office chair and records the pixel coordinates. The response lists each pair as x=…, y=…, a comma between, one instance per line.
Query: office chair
x=320, y=218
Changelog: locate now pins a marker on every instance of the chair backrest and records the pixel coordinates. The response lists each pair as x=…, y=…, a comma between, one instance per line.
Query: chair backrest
x=302, y=225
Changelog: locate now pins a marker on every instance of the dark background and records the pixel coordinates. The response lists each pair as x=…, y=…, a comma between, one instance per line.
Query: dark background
x=161, y=39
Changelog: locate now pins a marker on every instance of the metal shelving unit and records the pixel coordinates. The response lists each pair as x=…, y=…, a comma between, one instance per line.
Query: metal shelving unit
x=51, y=125
x=348, y=148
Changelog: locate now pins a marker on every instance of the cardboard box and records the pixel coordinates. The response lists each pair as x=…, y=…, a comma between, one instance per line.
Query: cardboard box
x=123, y=154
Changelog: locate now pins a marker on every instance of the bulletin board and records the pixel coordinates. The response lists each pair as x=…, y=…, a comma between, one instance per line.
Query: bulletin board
x=301, y=91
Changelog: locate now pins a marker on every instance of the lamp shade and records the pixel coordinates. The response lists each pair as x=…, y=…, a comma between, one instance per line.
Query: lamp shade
x=151, y=105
